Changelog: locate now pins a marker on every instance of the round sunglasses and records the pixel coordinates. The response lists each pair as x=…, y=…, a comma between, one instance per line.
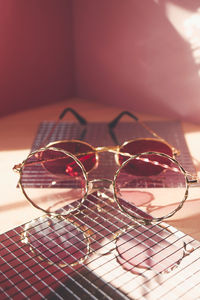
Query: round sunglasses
x=59, y=181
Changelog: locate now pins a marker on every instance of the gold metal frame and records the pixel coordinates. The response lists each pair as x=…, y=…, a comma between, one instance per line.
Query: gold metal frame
x=19, y=168
x=113, y=149
x=111, y=126
x=187, y=183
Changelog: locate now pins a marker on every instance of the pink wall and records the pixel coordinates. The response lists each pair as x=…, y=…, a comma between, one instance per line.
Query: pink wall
x=132, y=53
x=36, y=65
x=129, y=53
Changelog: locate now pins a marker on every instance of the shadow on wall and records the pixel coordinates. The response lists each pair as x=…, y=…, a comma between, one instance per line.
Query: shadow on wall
x=142, y=55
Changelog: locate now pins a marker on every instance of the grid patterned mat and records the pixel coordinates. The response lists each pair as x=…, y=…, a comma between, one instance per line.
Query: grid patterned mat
x=140, y=262
x=98, y=252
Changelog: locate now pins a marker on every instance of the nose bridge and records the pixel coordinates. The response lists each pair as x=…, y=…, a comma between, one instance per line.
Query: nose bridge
x=97, y=184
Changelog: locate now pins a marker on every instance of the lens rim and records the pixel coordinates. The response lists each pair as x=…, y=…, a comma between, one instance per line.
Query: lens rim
x=68, y=154
x=153, y=219
x=142, y=139
x=93, y=149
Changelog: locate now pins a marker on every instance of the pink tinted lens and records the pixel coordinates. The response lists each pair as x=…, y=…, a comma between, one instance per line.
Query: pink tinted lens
x=144, y=145
x=147, y=165
x=88, y=159
x=59, y=163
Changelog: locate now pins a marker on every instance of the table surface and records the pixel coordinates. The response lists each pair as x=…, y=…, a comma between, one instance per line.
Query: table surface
x=18, y=131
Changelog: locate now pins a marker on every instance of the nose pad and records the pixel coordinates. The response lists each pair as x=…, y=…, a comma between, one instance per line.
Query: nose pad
x=99, y=184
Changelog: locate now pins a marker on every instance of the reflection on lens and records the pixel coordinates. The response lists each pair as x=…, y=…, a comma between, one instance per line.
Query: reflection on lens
x=148, y=248
x=53, y=181
x=89, y=159
x=57, y=241
x=155, y=174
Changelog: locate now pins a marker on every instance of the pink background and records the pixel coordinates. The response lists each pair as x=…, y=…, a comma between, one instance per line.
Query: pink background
x=35, y=53
x=140, y=55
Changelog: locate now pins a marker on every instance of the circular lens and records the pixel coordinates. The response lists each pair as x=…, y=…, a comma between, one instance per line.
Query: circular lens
x=57, y=241
x=53, y=181
x=142, y=145
x=154, y=175
x=83, y=151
